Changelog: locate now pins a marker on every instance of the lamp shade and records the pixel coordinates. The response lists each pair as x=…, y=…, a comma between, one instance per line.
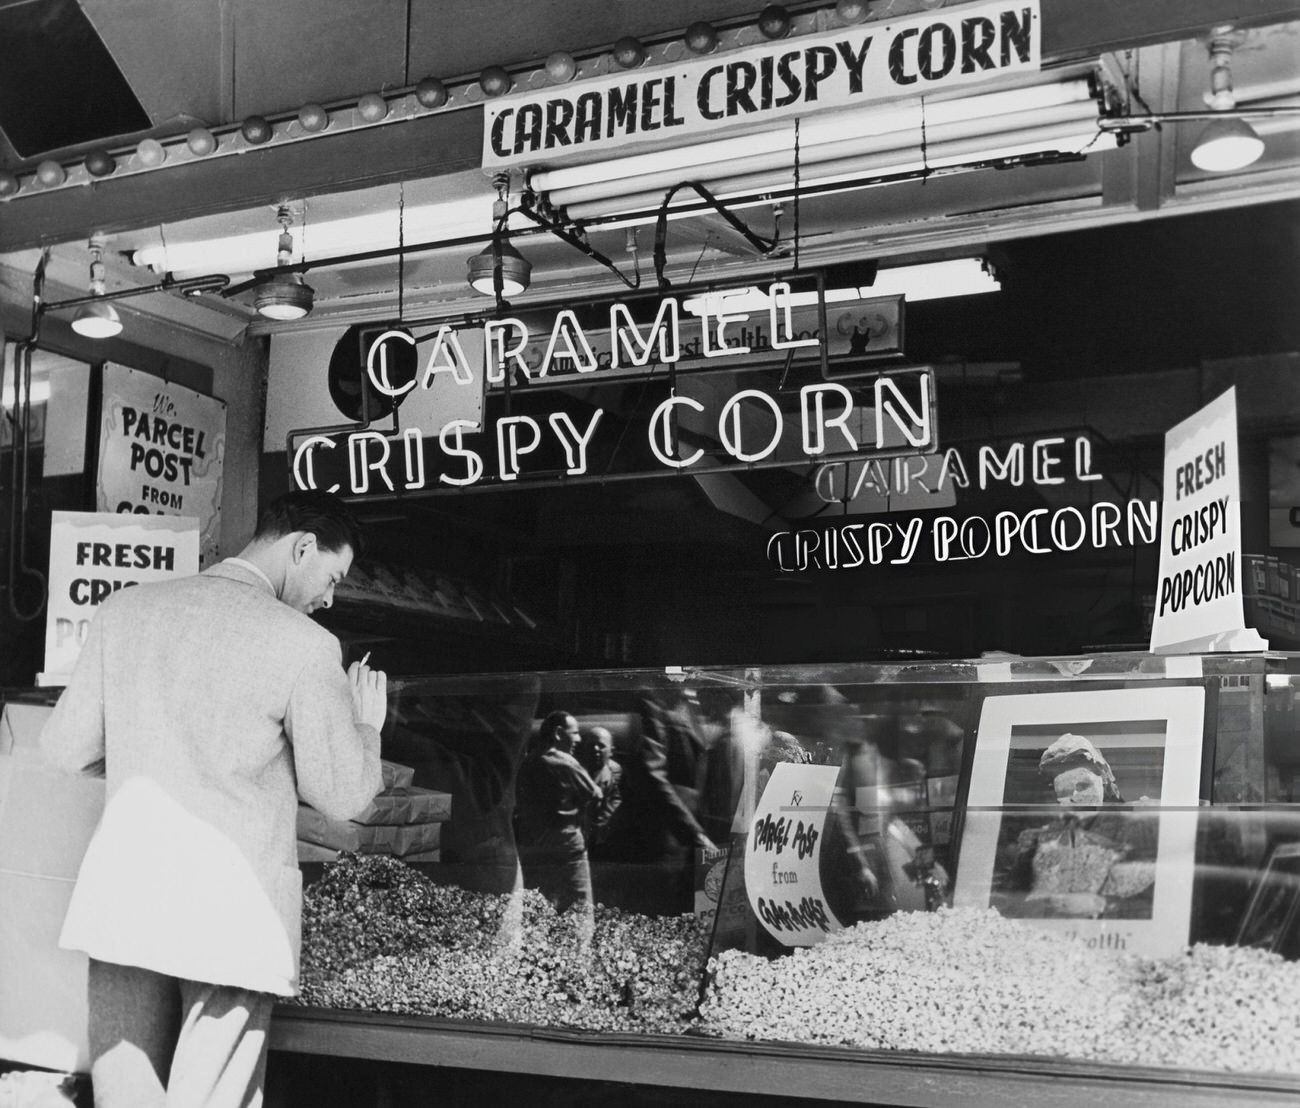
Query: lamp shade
x=97, y=320
x=285, y=296
x=516, y=270
x=1225, y=145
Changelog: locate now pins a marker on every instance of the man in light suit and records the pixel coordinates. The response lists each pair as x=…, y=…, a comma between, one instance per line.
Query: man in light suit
x=211, y=703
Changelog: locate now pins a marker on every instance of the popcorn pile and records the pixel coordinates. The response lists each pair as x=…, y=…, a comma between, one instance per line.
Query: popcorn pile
x=378, y=935
x=954, y=980
x=968, y=980
x=1213, y=1007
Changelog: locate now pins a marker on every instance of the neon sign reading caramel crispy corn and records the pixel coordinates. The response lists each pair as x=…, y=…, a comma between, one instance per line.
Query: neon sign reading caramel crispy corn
x=531, y=432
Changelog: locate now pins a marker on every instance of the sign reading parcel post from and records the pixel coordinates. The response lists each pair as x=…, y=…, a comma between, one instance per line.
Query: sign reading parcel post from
x=783, y=854
x=1198, y=594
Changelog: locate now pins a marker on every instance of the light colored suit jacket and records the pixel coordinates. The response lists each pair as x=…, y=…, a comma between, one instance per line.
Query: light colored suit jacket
x=212, y=706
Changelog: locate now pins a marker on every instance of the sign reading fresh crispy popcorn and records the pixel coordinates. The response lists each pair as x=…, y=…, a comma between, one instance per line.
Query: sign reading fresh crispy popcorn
x=783, y=855
x=1199, y=590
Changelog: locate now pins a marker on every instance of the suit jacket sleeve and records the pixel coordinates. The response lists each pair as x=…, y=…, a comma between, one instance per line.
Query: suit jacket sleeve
x=335, y=757
x=652, y=763
x=73, y=736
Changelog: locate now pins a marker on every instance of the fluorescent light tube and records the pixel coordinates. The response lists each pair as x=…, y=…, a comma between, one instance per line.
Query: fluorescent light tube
x=753, y=299
x=332, y=238
x=893, y=163
x=923, y=281
x=934, y=280
x=40, y=393
x=1077, y=116
x=881, y=120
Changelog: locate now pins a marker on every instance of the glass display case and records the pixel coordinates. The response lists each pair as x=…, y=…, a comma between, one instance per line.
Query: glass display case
x=884, y=883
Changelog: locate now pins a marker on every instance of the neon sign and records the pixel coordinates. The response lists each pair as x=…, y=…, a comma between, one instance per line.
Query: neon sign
x=707, y=399
x=866, y=487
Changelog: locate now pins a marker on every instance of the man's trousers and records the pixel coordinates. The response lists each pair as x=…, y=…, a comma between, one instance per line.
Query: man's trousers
x=164, y=1042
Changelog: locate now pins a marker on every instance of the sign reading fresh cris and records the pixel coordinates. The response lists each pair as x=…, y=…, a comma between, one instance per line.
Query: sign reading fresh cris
x=924, y=54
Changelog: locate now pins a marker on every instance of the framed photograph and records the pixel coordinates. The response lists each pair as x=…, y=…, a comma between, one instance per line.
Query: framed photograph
x=1081, y=813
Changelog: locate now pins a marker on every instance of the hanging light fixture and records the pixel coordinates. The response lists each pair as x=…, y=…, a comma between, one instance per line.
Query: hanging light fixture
x=499, y=257
x=286, y=295
x=1230, y=143
x=516, y=270
x=97, y=319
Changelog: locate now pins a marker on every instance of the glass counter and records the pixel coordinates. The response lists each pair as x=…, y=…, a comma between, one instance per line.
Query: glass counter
x=924, y=873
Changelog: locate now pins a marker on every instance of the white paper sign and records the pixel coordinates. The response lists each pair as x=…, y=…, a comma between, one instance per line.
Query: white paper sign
x=924, y=54
x=783, y=854
x=92, y=555
x=1199, y=593
x=161, y=451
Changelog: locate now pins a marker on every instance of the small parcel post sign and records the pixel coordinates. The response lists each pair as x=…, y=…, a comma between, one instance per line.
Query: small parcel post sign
x=161, y=451
x=783, y=854
x=92, y=555
x=1198, y=594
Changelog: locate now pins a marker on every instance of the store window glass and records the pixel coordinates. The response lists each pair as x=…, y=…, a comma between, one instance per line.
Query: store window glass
x=43, y=468
x=948, y=858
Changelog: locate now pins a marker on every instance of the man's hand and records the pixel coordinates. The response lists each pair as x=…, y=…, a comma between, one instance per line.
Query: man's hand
x=706, y=844
x=369, y=693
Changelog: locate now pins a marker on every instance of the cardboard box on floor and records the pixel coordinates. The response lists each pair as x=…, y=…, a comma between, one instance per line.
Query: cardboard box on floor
x=46, y=820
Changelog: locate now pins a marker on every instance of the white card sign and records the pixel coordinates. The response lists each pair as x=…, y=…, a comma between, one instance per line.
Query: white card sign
x=161, y=451
x=92, y=555
x=783, y=854
x=1199, y=592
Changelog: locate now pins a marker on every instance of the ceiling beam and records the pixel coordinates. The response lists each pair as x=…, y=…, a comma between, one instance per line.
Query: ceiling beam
x=427, y=146
x=1071, y=29
x=450, y=141
x=1142, y=173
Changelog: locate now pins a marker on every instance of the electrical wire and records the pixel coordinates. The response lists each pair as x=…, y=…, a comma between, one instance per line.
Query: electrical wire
x=21, y=458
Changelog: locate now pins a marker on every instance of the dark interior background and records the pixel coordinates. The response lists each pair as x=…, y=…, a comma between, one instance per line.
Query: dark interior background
x=650, y=572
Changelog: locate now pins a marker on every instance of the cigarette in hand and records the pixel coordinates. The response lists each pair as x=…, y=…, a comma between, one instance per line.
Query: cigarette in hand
x=366, y=658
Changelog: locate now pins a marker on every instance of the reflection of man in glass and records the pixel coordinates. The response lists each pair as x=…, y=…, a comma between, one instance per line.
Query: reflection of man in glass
x=1089, y=863
x=596, y=753
x=553, y=794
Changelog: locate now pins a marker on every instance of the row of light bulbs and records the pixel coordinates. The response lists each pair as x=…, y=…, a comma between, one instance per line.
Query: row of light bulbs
x=428, y=95
x=286, y=296
x=1227, y=144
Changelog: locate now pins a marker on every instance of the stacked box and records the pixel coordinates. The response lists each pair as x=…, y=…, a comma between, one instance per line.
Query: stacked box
x=366, y=838
x=407, y=806
x=396, y=776
x=402, y=820
x=47, y=817
x=1255, y=581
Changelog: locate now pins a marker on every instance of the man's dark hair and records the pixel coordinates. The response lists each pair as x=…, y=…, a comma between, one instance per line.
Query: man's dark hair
x=552, y=725
x=323, y=514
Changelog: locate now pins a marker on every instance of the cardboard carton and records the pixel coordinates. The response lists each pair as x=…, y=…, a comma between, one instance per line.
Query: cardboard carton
x=346, y=834
x=46, y=820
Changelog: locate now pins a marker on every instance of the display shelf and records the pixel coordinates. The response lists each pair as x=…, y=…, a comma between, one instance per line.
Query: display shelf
x=997, y=667
x=403, y=602
x=836, y=1075
x=392, y=620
